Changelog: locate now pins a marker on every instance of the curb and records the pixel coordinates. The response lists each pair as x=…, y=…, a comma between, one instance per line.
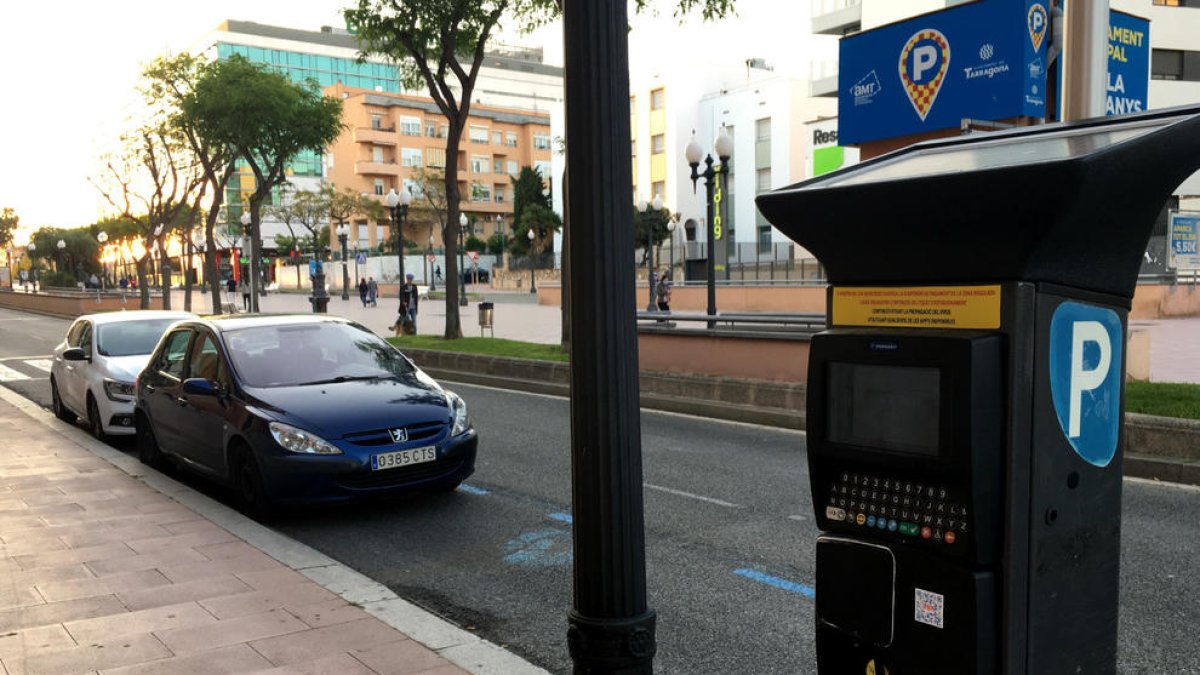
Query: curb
x=464, y=649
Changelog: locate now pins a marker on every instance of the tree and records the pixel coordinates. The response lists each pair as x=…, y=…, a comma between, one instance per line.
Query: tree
x=529, y=187
x=651, y=225
x=543, y=221
x=8, y=223
x=75, y=261
x=169, y=81
x=267, y=120
x=345, y=204
x=429, y=200
x=307, y=209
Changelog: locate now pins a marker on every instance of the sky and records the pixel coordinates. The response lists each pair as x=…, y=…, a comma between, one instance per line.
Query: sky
x=69, y=76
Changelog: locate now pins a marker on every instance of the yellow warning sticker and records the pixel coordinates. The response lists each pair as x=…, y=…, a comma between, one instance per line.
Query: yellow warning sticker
x=971, y=307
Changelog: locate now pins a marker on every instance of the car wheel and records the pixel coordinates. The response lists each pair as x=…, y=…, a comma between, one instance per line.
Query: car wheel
x=249, y=492
x=95, y=424
x=60, y=410
x=148, y=451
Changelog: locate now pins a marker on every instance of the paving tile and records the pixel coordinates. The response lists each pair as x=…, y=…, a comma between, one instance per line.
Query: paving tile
x=318, y=642
x=400, y=658
x=32, y=641
x=59, y=612
x=184, y=526
x=161, y=560
x=222, y=661
x=213, y=568
x=226, y=550
x=74, y=556
x=19, y=596
x=45, y=575
x=33, y=546
x=327, y=613
x=294, y=595
x=57, y=591
x=125, y=533
x=272, y=578
x=198, y=540
x=338, y=664
x=232, y=631
x=11, y=525
x=172, y=594
x=143, y=621
x=92, y=656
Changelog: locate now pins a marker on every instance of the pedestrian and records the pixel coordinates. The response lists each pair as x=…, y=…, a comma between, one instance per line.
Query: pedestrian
x=406, y=323
x=664, y=291
x=245, y=288
x=124, y=283
x=372, y=290
x=437, y=273
x=362, y=291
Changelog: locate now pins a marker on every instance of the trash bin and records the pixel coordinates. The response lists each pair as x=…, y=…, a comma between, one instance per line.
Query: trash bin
x=486, y=310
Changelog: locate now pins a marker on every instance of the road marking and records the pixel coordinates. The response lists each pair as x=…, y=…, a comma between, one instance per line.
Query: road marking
x=472, y=489
x=562, y=517
x=783, y=584
x=690, y=495
x=40, y=364
x=800, y=518
x=9, y=375
x=25, y=358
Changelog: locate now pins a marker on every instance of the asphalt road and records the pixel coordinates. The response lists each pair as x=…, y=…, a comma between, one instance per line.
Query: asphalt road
x=728, y=532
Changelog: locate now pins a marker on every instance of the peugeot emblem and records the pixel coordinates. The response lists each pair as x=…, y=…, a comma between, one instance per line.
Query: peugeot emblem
x=399, y=435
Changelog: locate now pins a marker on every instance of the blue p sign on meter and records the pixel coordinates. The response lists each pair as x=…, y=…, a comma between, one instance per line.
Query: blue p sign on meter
x=1085, y=378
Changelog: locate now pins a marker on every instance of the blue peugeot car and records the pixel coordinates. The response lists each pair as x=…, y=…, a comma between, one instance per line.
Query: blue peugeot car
x=298, y=409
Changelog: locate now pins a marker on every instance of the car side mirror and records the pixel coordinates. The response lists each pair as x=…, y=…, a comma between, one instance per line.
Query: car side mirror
x=75, y=354
x=198, y=386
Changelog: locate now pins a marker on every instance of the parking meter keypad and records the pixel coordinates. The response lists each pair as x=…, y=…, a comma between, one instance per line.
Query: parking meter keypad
x=909, y=509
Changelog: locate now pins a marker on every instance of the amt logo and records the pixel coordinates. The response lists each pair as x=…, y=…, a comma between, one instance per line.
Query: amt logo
x=1085, y=378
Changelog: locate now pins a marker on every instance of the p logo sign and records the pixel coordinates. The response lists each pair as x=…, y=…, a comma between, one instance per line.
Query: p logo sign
x=1085, y=378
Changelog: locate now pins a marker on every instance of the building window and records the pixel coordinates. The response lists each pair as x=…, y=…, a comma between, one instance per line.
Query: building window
x=1177, y=3
x=410, y=157
x=436, y=157
x=1166, y=64
x=363, y=240
x=380, y=235
x=764, y=238
x=658, y=189
x=762, y=180
x=762, y=130
x=498, y=166
x=479, y=163
x=541, y=141
x=480, y=193
x=497, y=138
x=499, y=190
x=377, y=154
x=431, y=129
x=378, y=186
x=510, y=139
x=410, y=126
x=444, y=131
x=513, y=168
x=658, y=144
x=376, y=122
x=479, y=134
x=658, y=99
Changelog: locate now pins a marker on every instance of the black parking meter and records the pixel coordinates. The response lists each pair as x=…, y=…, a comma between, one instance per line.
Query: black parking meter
x=965, y=403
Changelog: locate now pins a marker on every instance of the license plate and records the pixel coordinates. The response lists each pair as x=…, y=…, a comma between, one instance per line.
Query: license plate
x=392, y=460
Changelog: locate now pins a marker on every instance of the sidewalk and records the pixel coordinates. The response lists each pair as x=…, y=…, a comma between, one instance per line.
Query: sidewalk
x=107, y=567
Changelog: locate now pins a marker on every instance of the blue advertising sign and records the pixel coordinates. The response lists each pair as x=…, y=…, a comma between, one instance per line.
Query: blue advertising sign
x=1128, y=63
x=1085, y=378
x=929, y=72
x=1183, y=231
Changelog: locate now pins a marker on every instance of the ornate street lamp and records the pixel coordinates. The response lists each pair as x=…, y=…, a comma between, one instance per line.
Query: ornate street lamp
x=724, y=148
x=398, y=203
x=671, y=232
x=651, y=268
x=102, y=237
x=432, y=278
x=30, y=248
x=343, y=233
x=247, y=219
x=61, y=245
x=532, y=280
x=462, y=243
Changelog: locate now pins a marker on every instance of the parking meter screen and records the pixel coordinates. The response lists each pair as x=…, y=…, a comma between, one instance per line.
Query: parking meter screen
x=891, y=408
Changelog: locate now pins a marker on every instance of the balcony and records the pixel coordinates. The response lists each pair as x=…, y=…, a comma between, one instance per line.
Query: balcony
x=373, y=168
x=823, y=78
x=376, y=136
x=836, y=17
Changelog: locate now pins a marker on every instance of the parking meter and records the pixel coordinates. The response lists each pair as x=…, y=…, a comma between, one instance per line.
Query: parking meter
x=965, y=403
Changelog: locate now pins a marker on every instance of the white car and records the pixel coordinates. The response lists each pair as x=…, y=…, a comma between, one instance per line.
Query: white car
x=95, y=366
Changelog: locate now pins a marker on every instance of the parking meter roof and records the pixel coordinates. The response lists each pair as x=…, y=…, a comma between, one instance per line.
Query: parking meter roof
x=1070, y=203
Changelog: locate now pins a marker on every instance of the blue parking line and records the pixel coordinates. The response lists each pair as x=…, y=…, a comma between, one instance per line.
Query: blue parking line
x=472, y=489
x=784, y=584
x=562, y=517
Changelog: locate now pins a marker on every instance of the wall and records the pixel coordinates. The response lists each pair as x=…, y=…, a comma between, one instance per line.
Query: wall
x=724, y=355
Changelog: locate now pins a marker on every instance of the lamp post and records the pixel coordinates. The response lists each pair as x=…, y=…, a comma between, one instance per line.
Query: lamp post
x=532, y=279
x=61, y=245
x=724, y=148
x=29, y=249
x=462, y=243
x=398, y=203
x=671, y=232
x=102, y=237
x=432, y=279
x=651, y=268
x=343, y=233
x=247, y=221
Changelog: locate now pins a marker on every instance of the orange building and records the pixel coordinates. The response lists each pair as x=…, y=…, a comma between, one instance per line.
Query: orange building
x=389, y=136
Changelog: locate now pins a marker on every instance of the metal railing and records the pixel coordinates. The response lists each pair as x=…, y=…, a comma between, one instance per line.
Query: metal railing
x=800, y=324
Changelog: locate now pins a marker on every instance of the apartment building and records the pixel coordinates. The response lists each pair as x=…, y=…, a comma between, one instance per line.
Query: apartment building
x=390, y=136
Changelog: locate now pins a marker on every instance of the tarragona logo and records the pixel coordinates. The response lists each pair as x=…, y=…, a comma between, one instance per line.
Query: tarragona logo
x=924, y=62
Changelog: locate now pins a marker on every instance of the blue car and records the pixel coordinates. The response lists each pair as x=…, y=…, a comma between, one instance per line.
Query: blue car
x=298, y=409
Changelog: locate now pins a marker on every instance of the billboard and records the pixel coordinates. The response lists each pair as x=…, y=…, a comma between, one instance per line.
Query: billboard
x=824, y=152
x=983, y=60
x=1183, y=234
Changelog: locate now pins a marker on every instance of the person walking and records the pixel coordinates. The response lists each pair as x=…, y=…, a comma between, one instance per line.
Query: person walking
x=372, y=290
x=437, y=273
x=245, y=288
x=664, y=291
x=362, y=291
x=406, y=323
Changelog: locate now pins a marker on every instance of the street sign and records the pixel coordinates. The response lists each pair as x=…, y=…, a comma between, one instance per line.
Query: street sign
x=1184, y=235
x=474, y=255
x=360, y=259
x=432, y=257
x=1085, y=378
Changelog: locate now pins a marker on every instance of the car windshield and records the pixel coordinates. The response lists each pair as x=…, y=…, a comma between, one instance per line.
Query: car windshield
x=311, y=353
x=130, y=338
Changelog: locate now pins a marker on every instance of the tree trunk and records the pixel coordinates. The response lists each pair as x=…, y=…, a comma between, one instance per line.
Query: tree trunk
x=453, y=277
x=142, y=279
x=164, y=275
x=256, y=279
x=187, y=274
x=211, y=273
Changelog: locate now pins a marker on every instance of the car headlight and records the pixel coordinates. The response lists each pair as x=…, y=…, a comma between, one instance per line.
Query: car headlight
x=118, y=391
x=300, y=441
x=458, y=413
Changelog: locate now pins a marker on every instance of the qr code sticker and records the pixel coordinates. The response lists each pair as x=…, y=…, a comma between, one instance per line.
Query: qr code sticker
x=930, y=608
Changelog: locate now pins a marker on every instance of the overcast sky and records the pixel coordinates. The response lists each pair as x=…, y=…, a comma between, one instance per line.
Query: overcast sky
x=69, y=70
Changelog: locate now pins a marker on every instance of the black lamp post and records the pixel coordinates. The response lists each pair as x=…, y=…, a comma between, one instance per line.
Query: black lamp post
x=343, y=234
x=671, y=232
x=29, y=249
x=724, y=147
x=651, y=268
x=398, y=203
x=432, y=279
x=61, y=245
x=532, y=279
x=462, y=243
